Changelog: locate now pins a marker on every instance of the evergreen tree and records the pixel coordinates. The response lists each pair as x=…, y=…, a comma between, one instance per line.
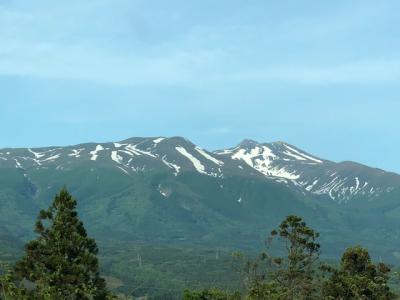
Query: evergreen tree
x=358, y=278
x=9, y=290
x=210, y=294
x=292, y=276
x=61, y=263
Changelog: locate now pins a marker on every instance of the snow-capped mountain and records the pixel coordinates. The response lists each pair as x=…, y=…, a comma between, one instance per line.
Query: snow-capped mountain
x=168, y=190
x=278, y=161
x=130, y=156
x=339, y=181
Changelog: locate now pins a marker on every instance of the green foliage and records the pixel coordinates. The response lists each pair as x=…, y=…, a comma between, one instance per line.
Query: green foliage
x=290, y=276
x=210, y=294
x=61, y=263
x=9, y=289
x=358, y=278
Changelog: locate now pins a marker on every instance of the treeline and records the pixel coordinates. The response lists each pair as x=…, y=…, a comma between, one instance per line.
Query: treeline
x=61, y=263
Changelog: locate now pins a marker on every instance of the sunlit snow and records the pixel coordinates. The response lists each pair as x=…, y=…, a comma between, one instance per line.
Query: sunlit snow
x=159, y=140
x=94, y=154
x=196, y=163
x=116, y=157
x=209, y=157
x=303, y=154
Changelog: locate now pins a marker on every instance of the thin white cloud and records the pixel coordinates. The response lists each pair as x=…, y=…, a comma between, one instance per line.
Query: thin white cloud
x=82, y=62
x=56, y=44
x=363, y=72
x=178, y=67
x=48, y=45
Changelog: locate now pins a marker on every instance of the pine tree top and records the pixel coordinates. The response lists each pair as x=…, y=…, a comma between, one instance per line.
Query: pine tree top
x=62, y=258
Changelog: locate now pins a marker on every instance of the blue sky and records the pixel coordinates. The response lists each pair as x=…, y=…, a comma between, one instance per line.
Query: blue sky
x=322, y=75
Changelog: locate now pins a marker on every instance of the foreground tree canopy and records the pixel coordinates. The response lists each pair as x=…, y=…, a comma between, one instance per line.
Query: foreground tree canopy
x=300, y=275
x=61, y=262
x=289, y=277
x=358, y=278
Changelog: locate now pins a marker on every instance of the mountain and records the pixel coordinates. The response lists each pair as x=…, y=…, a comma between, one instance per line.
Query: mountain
x=339, y=181
x=278, y=161
x=168, y=190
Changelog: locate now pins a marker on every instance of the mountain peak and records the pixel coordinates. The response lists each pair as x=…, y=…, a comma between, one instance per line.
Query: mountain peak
x=248, y=143
x=280, y=143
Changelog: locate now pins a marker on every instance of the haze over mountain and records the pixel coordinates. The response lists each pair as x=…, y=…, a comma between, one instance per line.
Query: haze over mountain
x=168, y=190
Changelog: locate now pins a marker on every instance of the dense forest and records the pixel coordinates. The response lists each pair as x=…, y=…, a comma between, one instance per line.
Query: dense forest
x=62, y=263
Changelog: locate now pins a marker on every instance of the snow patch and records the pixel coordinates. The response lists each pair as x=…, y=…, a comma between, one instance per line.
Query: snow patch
x=260, y=158
x=51, y=158
x=76, y=152
x=209, y=157
x=159, y=140
x=311, y=186
x=94, y=154
x=130, y=152
x=116, y=157
x=172, y=166
x=294, y=155
x=36, y=154
x=18, y=164
x=357, y=183
x=137, y=151
x=303, y=154
x=196, y=163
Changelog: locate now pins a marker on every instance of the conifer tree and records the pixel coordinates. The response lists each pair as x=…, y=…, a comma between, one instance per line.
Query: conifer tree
x=210, y=294
x=61, y=263
x=8, y=289
x=358, y=278
x=291, y=276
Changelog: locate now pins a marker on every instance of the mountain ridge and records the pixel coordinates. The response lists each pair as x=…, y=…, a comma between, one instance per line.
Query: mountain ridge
x=278, y=161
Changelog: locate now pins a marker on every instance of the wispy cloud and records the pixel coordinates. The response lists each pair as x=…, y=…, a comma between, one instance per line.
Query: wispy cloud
x=31, y=48
x=362, y=72
x=114, y=44
x=79, y=62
